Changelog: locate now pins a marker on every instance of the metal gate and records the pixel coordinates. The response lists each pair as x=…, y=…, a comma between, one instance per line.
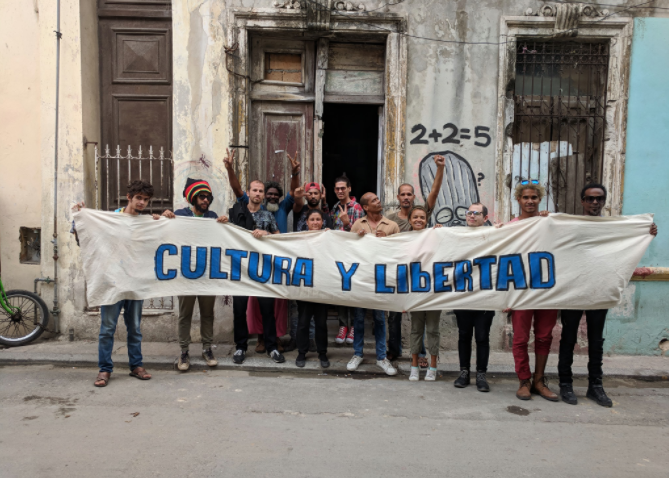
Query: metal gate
x=560, y=114
x=113, y=173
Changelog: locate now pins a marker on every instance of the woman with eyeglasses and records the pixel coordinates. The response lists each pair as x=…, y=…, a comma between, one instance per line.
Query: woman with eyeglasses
x=307, y=310
x=426, y=321
x=529, y=194
x=474, y=324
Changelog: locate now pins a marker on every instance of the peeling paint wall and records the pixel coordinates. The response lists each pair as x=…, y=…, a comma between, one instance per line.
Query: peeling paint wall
x=21, y=191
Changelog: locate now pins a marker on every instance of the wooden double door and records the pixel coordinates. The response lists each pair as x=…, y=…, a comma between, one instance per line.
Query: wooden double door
x=290, y=82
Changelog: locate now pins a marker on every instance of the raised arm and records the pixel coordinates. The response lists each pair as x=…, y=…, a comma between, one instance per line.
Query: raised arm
x=440, y=161
x=298, y=194
x=295, y=175
x=232, y=177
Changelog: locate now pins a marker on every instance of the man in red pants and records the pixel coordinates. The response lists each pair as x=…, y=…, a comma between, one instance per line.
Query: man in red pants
x=529, y=193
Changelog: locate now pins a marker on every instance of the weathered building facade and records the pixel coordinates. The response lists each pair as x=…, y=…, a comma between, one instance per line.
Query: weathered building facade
x=563, y=93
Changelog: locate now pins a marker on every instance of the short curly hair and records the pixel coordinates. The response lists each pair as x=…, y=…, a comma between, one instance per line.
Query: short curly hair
x=140, y=187
x=518, y=192
x=273, y=184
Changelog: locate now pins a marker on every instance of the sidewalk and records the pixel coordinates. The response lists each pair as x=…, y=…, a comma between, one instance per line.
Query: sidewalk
x=164, y=355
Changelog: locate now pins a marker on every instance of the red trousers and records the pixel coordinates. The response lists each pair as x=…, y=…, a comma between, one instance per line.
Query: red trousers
x=544, y=321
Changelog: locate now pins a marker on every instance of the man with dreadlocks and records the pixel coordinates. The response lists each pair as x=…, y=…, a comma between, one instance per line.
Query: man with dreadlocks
x=198, y=194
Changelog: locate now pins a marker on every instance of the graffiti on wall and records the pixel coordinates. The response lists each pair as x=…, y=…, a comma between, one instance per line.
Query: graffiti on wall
x=451, y=135
x=458, y=189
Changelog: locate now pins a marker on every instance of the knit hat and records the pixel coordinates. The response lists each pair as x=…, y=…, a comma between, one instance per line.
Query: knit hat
x=310, y=186
x=195, y=187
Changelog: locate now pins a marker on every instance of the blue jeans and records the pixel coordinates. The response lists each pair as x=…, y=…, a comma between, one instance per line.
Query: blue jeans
x=132, y=315
x=379, y=332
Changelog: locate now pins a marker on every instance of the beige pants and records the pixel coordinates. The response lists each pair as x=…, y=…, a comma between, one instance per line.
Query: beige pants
x=186, y=306
x=427, y=321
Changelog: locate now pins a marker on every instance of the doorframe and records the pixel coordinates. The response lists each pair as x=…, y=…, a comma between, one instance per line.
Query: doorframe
x=618, y=31
x=385, y=27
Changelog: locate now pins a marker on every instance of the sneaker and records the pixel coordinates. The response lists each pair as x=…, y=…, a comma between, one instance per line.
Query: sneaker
x=349, y=337
x=463, y=380
x=312, y=345
x=567, y=394
x=239, y=356
x=184, y=361
x=481, y=382
x=341, y=336
x=415, y=374
x=354, y=363
x=596, y=392
x=276, y=356
x=301, y=360
x=431, y=375
x=208, y=357
x=325, y=363
x=387, y=366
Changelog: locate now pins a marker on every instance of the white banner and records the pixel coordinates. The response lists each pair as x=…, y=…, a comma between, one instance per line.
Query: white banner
x=558, y=262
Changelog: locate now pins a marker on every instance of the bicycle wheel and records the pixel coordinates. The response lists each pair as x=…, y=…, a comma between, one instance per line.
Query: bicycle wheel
x=27, y=323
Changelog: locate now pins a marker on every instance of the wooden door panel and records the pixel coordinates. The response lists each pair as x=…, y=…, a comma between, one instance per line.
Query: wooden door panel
x=280, y=129
x=136, y=82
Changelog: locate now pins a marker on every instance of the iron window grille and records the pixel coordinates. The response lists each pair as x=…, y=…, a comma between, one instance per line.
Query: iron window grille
x=559, y=118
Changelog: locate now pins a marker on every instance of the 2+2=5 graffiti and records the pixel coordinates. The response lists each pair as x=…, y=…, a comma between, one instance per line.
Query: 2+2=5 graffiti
x=480, y=132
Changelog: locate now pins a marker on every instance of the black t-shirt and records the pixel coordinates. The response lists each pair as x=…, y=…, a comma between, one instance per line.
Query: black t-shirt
x=300, y=221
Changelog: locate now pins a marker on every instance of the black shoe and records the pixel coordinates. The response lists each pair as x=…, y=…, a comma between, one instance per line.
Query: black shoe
x=481, y=382
x=567, y=394
x=290, y=346
x=239, y=356
x=312, y=345
x=276, y=356
x=301, y=360
x=325, y=363
x=463, y=380
x=596, y=392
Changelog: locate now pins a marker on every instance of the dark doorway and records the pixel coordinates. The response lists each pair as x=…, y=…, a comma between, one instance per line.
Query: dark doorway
x=350, y=145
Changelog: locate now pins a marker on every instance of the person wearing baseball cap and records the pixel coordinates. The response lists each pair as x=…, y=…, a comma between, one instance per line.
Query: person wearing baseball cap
x=198, y=194
x=313, y=193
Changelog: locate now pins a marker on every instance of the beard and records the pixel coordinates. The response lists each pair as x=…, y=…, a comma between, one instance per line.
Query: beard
x=272, y=207
x=314, y=203
x=200, y=209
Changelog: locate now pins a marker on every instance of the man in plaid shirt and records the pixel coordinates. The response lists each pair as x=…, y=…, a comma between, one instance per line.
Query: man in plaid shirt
x=345, y=218
x=344, y=214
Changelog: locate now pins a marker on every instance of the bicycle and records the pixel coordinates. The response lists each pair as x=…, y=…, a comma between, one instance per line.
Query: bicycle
x=23, y=317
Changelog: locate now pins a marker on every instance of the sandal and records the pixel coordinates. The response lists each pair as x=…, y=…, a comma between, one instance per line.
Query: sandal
x=422, y=362
x=140, y=373
x=102, y=380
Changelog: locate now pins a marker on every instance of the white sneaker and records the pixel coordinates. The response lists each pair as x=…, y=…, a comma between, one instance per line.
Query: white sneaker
x=354, y=363
x=387, y=366
x=431, y=375
x=415, y=374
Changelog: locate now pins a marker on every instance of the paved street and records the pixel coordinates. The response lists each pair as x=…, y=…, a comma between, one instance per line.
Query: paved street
x=54, y=423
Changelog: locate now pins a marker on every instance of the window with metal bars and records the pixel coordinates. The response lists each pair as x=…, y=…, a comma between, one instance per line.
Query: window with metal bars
x=559, y=118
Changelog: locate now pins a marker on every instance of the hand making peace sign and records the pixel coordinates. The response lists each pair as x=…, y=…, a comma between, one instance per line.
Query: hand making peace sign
x=295, y=164
x=343, y=215
x=227, y=160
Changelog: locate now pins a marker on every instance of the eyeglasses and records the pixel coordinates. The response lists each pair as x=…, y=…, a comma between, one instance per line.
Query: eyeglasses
x=591, y=199
x=529, y=181
x=208, y=197
x=474, y=213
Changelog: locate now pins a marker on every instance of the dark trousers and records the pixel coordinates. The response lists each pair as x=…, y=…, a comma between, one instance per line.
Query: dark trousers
x=319, y=312
x=395, y=334
x=241, y=333
x=474, y=323
x=571, y=319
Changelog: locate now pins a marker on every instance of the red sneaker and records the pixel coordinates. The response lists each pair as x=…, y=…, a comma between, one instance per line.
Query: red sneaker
x=341, y=336
x=349, y=339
